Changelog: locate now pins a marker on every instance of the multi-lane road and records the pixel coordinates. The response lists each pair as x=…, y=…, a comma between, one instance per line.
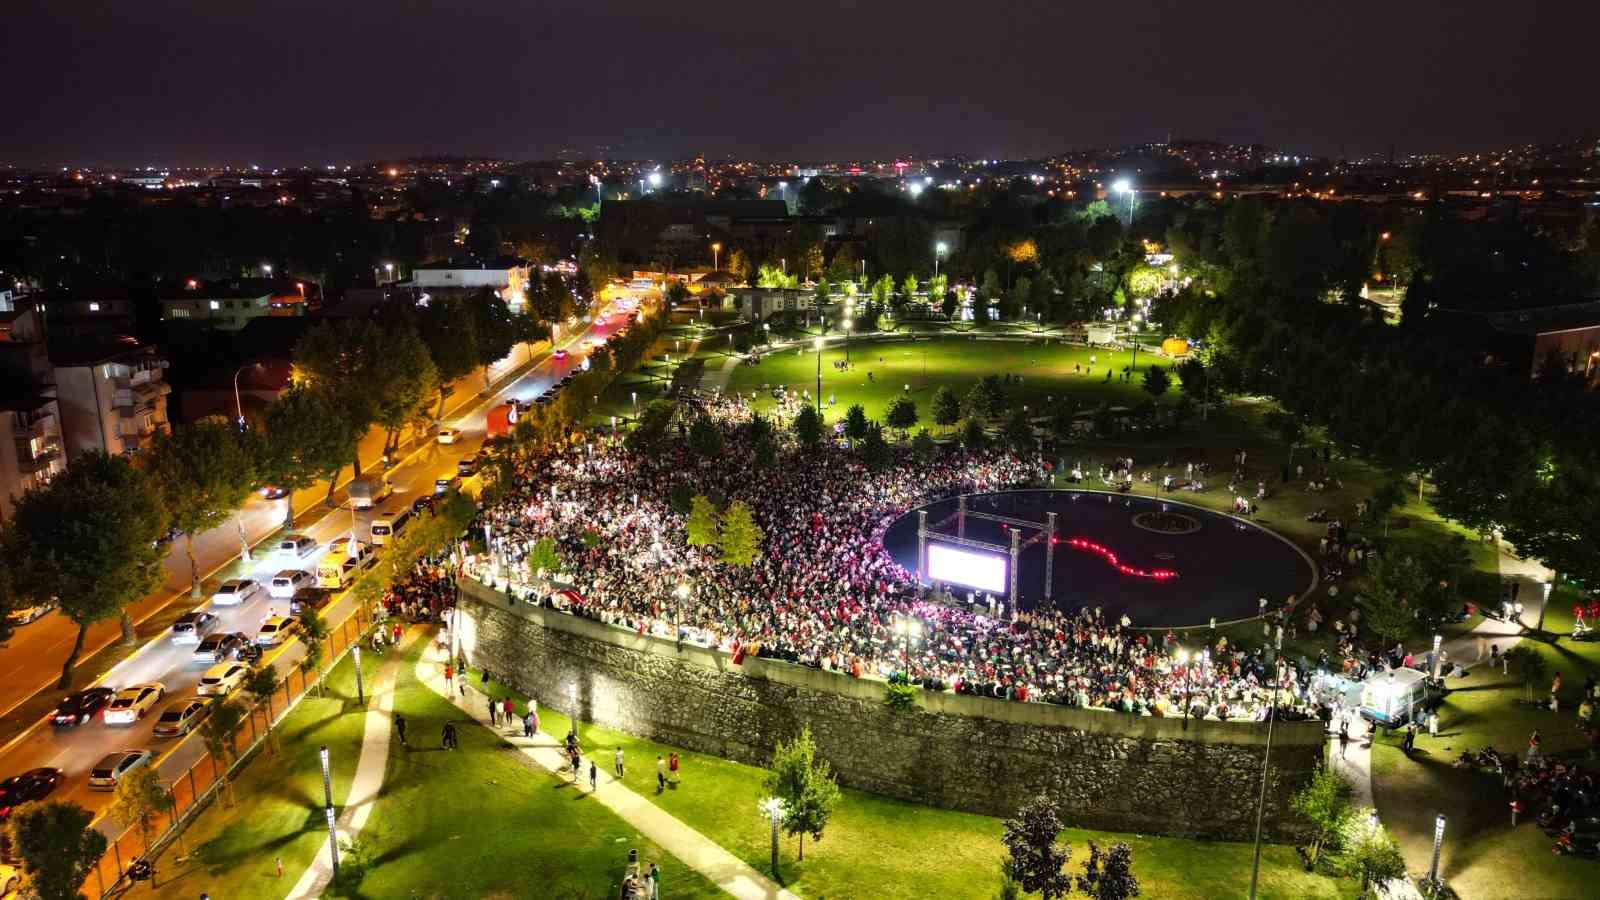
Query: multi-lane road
x=76, y=749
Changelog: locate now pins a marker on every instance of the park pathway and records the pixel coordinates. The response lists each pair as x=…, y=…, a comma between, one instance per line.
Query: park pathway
x=1356, y=763
x=694, y=849
x=368, y=780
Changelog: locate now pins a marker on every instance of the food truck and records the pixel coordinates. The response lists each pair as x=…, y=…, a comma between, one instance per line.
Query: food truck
x=1393, y=698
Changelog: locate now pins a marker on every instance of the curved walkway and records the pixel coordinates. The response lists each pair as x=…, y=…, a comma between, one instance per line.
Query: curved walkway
x=368, y=780
x=694, y=849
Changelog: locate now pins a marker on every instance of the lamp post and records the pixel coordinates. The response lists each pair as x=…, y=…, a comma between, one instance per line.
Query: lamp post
x=818, y=345
x=772, y=808
x=1438, y=842
x=1266, y=756
x=938, y=252
x=327, y=809
x=1183, y=661
x=1544, y=586
x=1124, y=186
x=361, y=694
x=238, y=407
x=677, y=612
x=266, y=269
x=1438, y=640
x=848, y=325
x=716, y=256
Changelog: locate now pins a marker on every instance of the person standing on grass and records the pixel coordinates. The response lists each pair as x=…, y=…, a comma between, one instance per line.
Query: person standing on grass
x=661, y=774
x=594, y=777
x=672, y=766
x=655, y=882
x=616, y=762
x=449, y=675
x=400, y=728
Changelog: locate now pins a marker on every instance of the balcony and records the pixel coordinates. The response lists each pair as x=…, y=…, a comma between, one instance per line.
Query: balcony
x=36, y=428
x=47, y=462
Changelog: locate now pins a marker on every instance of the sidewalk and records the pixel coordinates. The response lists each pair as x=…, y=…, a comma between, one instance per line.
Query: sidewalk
x=368, y=780
x=692, y=848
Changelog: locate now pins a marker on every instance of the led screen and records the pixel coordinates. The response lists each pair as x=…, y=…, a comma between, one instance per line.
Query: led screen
x=984, y=571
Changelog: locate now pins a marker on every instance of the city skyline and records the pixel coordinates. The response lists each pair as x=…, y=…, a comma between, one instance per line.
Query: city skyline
x=627, y=80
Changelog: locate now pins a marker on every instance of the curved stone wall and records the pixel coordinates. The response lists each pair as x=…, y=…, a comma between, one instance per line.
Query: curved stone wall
x=1111, y=771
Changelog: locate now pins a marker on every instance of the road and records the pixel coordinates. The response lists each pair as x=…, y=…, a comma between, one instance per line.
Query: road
x=75, y=750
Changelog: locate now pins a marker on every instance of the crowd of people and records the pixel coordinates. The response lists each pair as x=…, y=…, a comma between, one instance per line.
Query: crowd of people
x=824, y=592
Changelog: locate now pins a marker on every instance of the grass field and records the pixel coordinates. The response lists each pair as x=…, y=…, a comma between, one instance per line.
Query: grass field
x=883, y=848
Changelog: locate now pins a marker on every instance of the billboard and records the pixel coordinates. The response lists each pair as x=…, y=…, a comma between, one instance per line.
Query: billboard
x=952, y=565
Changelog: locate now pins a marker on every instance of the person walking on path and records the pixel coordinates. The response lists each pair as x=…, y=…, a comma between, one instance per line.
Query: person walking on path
x=672, y=766
x=449, y=737
x=594, y=777
x=400, y=728
x=494, y=714
x=449, y=675
x=1344, y=738
x=508, y=711
x=616, y=762
x=1410, y=740
x=527, y=725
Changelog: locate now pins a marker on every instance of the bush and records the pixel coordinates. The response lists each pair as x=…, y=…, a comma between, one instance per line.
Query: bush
x=899, y=696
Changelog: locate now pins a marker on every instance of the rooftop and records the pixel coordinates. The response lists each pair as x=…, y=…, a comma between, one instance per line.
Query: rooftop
x=1547, y=319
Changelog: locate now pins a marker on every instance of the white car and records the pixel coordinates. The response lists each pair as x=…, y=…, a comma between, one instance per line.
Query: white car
x=274, y=631
x=180, y=717
x=108, y=771
x=221, y=679
x=449, y=435
x=132, y=702
x=192, y=627
x=296, y=546
x=285, y=583
x=235, y=591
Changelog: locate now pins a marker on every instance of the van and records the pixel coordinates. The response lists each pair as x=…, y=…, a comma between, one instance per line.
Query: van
x=387, y=525
x=339, y=567
x=285, y=583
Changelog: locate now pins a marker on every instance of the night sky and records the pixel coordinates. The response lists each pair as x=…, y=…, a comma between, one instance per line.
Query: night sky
x=293, y=81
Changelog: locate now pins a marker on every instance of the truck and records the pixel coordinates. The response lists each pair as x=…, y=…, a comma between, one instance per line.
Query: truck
x=369, y=490
x=501, y=420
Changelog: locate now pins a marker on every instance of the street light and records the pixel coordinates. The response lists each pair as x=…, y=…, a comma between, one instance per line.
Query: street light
x=361, y=694
x=716, y=256
x=848, y=325
x=266, y=269
x=1183, y=660
x=939, y=251
x=817, y=344
x=327, y=809
x=1438, y=842
x=238, y=408
x=1544, y=586
x=772, y=808
x=1124, y=186
x=655, y=179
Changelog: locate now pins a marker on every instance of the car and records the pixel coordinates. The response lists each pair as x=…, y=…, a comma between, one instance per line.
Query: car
x=542, y=399
x=422, y=503
x=466, y=468
x=449, y=435
x=181, y=716
x=133, y=702
x=286, y=582
x=272, y=492
x=79, y=708
x=219, y=646
x=34, y=784
x=110, y=769
x=192, y=626
x=221, y=679
x=26, y=614
x=442, y=485
x=296, y=546
x=274, y=631
x=560, y=354
x=235, y=591
x=309, y=599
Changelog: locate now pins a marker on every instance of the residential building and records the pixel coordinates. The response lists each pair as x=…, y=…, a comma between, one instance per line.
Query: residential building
x=1566, y=334
x=230, y=305
x=85, y=313
x=112, y=395
x=761, y=304
x=506, y=275
x=31, y=452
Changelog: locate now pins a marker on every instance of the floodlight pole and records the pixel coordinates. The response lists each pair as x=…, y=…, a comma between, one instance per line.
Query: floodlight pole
x=1016, y=554
x=327, y=809
x=1049, y=552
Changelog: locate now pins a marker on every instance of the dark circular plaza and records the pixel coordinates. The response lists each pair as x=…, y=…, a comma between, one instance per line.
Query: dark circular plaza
x=1107, y=555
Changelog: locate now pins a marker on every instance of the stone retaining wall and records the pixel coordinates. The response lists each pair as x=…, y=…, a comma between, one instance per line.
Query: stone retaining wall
x=1111, y=771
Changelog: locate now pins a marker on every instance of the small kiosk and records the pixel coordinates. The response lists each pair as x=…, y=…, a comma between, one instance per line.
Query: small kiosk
x=1391, y=699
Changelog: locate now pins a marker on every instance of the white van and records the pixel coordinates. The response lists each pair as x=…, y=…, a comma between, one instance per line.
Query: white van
x=387, y=524
x=286, y=582
x=339, y=567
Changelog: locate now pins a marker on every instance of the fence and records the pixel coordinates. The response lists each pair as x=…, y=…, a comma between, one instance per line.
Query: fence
x=193, y=789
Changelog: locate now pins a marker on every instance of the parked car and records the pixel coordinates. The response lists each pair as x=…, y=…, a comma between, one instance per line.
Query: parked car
x=192, y=626
x=34, y=784
x=424, y=502
x=181, y=716
x=133, y=702
x=466, y=468
x=449, y=435
x=24, y=615
x=221, y=679
x=285, y=583
x=109, y=770
x=561, y=354
x=79, y=708
x=272, y=492
x=442, y=485
x=274, y=631
x=235, y=591
x=309, y=598
x=296, y=546
x=220, y=646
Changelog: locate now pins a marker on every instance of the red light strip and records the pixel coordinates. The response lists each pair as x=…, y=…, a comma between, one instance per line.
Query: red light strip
x=1105, y=553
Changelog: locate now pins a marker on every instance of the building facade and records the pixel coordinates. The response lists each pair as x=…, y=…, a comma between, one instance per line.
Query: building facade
x=31, y=451
x=112, y=396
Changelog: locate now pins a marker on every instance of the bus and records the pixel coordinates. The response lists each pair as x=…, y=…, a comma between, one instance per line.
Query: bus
x=388, y=523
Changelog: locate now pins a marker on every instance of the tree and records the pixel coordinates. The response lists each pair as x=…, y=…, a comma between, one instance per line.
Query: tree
x=902, y=415
x=140, y=797
x=705, y=438
x=948, y=304
x=1192, y=378
x=808, y=426
x=843, y=265
x=1531, y=665
x=88, y=540
x=1018, y=431
x=307, y=440
x=1371, y=852
x=874, y=449
x=493, y=327
x=313, y=634
x=805, y=784
x=1287, y=427
x=1108, y=874
x=204, y=473
x=1386, y=603
x=908, y=288
x=545, y=557
x=1156, y=381
x=218, y=732
x=739, y=535
x=702, y=522
x=1324, y=804
x=1384, y=500
x=855, y=423
x=348, y=361
x=1036, y=856
x=923, y=445
x=973, y=436
x=58, y=847
x=262, y=685
x=452, y=344
x=883, y=290
x=946, y=407
x=987, y=399
x=739, y=265
x=408, y=378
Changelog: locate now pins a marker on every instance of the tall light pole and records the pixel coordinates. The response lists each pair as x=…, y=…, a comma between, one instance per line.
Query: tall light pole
x=1266, y=756
x=939, y=251
x=848, y=325
x=716, y=256
x=1124, y=186
x=818, y=345
x=327, y=810
x=361, y=694
x=266, y=269
x=1183, y=660
x=772, y=808
x=238, y=407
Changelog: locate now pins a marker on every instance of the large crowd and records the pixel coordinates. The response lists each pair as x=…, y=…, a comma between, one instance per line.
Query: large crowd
x=823, y=592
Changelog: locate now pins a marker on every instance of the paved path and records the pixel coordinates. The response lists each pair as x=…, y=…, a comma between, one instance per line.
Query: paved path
x=694, y=849
x=368, y=780
x=1356, y=762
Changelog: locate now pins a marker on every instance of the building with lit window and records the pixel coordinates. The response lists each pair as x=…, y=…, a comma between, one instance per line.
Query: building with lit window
x=31, y=452
x=230, y=305
x=112, y=395
x=505, y=275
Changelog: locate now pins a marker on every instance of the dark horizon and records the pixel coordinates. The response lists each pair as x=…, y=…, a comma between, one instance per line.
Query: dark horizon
x=180, y=83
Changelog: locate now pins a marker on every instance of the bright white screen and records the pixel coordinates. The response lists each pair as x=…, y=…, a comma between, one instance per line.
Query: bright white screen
x=984, y=571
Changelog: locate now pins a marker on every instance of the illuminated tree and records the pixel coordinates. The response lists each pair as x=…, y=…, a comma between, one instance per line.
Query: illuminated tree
x=739, y=535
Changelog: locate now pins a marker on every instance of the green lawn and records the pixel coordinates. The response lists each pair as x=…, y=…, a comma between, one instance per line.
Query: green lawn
x=882, y=848
x=278, y=808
